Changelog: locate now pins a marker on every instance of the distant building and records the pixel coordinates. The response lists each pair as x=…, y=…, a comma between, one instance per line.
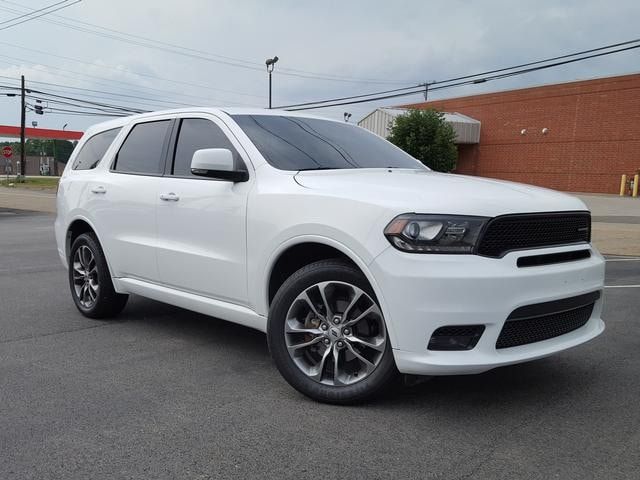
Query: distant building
x=577, y=136
x=35, y=166
x=467, y=129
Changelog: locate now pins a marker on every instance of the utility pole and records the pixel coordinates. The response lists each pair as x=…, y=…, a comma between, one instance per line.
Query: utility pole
x=426, y=91
x=23, y=118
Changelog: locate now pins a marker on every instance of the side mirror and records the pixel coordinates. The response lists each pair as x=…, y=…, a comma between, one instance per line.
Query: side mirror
x=216, y=163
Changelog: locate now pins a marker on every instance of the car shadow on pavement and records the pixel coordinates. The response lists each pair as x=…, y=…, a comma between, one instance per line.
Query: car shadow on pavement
x=508, y=388
x=533, y=384
x=191, y=326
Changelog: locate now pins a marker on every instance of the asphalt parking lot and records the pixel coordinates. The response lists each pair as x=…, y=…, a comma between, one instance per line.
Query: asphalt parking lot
x=165, y=393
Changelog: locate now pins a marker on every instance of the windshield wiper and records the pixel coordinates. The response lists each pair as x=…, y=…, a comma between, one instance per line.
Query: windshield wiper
x=318, y=168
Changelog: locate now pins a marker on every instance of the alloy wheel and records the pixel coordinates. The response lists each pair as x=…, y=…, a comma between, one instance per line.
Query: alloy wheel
x=335, y=333
x=85, y=276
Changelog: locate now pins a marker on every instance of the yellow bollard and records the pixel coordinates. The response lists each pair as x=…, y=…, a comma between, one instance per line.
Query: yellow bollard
x=623, y=185
x=636, y=178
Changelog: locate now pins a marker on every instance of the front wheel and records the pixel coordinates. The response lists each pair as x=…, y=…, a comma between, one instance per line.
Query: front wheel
x=327, y=334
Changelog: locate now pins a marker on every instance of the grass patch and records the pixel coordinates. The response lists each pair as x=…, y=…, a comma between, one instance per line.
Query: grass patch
x=32, y=183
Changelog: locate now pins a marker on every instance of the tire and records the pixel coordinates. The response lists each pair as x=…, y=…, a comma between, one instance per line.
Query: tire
x=319, y=329
x=90, y=280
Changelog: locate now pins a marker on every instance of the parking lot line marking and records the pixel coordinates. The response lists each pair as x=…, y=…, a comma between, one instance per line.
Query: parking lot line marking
x=622, y=286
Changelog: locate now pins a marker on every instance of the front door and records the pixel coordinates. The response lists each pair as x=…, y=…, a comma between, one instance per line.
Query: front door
x=201, y=221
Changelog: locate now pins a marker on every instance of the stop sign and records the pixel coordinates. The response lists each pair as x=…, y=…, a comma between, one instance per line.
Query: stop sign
x=7, y=151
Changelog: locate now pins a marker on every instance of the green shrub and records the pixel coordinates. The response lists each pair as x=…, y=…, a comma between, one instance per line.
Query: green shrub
x=425, y=135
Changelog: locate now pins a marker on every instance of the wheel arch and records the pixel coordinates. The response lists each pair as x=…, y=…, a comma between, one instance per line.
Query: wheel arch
x=298, y=250
x=77, y=227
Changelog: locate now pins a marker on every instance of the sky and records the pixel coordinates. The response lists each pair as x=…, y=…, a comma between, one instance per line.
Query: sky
x=155, y=54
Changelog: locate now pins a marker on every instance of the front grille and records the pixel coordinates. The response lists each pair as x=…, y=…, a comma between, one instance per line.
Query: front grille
x=532, y=324
x=519, y=232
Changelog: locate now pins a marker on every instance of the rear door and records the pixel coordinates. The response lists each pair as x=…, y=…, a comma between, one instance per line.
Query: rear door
x=202, y=221
x=126, y=200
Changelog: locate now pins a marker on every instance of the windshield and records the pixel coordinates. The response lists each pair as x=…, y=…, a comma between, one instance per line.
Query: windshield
x=295, y=143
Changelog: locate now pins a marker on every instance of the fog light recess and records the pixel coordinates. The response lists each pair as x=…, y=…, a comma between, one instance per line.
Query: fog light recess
x=456, y=337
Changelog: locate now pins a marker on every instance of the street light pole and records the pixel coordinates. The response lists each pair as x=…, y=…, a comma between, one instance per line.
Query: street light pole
x=270, y=62
x=23, y=118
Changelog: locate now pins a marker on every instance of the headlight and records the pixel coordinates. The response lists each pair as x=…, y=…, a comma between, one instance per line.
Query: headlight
x=434, y=233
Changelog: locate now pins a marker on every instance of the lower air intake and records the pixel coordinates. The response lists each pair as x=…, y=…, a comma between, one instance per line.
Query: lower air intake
x=523, y=331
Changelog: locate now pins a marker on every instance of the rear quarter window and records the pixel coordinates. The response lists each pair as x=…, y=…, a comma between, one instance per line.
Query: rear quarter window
x=94, y=149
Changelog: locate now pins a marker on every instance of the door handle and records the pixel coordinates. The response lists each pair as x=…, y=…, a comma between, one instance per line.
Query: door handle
x=99, y=189
x=169, y=197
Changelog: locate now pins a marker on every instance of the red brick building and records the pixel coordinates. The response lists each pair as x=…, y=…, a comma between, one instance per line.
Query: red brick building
x=578, y=136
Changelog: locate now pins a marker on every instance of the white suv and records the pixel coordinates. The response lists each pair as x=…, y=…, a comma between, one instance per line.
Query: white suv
x=356, y=260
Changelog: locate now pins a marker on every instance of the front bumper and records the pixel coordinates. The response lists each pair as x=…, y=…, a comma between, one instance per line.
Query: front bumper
x=421, y=292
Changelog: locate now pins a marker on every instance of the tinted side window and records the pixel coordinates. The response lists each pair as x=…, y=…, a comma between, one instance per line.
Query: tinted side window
x=94, y=149
x=142, y=151
x=195, y=134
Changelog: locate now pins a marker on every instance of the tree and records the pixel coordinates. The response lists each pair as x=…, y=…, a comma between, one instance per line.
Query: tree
x=425, y=135
x=34, y=147
x=62, y=149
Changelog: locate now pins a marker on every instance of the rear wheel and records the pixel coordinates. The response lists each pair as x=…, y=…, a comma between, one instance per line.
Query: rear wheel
x=327, y=334
x=90, y=281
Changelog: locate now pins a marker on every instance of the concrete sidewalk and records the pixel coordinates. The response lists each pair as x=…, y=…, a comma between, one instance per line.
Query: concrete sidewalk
x=23, y=199
x=602, y=205
x=616, y=220
x=616, y=223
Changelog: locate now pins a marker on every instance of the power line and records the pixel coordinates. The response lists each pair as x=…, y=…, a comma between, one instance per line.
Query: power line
x=31, y=91
x=99, y=80
x=118, y=95
x=76, y=103
x=132, y=72
x=193, y=53
x=467, y=82
x=61, y=111
x=32, y=12
x=473, y=78
x=58, y=87
x=395, y=93
x=101, y=97
x=355, y=101
x=98, y=104
x=355, y=96
x=136, y=94
x=41, y=15
x=537, y=62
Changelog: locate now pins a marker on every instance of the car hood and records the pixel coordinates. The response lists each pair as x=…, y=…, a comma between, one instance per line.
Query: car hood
x=424, y=191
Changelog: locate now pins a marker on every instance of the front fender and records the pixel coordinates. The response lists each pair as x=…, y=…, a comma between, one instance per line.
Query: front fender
x=360, y=260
